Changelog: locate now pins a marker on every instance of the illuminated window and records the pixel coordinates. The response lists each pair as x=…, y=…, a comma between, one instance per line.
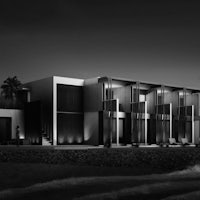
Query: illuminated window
x=142, y=97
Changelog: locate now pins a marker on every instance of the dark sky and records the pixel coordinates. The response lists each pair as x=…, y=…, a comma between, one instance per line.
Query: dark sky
x=156, y=41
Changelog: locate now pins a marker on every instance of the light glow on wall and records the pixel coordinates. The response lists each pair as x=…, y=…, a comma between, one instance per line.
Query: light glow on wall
x=21, y=136
x=70, y=139
x=114, y=85
x=79, y=140
x=61, y=140
x=87, y=133
x=181, y=93
x=35, y=140
x=159, y=91
x=142, y=98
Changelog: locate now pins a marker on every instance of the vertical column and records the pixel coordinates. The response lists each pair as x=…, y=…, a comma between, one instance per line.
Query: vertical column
x=170, y=120
x=117, y=120
x=185, y=110
x=132, y=100
x=110, y=110
x=163, y=112
x=104, y=96
x=139, y=132
x=28, y=96
x=156, y=114
x=192, y=124
x=145, y=123
x=54, y=112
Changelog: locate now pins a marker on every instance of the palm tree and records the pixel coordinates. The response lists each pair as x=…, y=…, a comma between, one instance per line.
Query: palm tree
x=10, y=87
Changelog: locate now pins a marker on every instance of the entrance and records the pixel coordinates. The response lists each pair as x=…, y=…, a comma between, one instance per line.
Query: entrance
x=33, y=122
x=139, y=122
x=113, y=129
x=5, y=129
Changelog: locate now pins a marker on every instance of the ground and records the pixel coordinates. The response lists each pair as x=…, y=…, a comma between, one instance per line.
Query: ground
x=49, y=181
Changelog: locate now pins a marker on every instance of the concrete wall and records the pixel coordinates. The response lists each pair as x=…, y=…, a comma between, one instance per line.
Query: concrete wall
x=195, y=98
x=91, y=128
x=92, y=95
x=196, y=132
x=175, y=102
x=42, y=90
x=17, y=118
x=91, y=81
x=151, y=102
x=124, y=96
x=198, y=104
x=189, y=99
x=168, y=97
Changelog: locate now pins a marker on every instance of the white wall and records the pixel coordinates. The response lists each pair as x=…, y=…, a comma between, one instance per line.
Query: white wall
x=17, y=118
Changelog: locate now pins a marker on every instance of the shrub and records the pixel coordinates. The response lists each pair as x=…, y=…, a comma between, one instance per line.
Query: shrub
x=155, y=158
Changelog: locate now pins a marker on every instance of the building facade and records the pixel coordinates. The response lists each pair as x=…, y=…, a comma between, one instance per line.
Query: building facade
x=108, y=111
x=104, y=111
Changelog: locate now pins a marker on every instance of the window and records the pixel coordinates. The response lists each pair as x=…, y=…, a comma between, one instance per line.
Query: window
x=159, y=99
x=69, y=98
x=181, y=101
x=142, y=97
x=107, y=94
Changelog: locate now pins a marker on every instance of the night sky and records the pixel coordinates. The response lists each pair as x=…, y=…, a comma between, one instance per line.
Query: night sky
x=151, y=41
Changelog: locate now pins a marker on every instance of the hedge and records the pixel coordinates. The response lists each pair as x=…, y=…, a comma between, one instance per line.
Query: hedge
x=155, y=158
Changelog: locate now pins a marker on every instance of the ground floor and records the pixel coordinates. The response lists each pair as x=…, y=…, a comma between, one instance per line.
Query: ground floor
x=103, y=128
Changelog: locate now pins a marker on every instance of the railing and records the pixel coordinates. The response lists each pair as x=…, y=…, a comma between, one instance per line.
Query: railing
x=138, y=110
x=186, y=113
x=112, y=106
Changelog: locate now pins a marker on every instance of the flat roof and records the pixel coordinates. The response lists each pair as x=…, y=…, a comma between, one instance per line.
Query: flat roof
x=129, y=81
x=195, y=90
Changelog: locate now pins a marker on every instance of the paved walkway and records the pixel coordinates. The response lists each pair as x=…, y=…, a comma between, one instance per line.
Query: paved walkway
x=78, y=147
x=59, y=147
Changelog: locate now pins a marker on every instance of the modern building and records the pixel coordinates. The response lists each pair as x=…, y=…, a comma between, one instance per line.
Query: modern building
x=105, y=111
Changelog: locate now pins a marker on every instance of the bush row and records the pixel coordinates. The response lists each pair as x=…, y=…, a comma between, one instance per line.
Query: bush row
x=157, y=158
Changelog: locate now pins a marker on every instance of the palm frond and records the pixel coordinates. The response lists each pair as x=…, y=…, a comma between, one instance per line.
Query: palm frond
x=10, y=87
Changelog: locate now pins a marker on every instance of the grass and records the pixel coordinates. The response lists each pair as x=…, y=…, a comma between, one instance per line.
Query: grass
x=24, y=174
x=163, y=159
x=39, y=183
x=99, y=174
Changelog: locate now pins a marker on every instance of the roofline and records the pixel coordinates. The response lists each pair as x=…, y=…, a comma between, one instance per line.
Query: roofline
x=127, y=80
x=151, y=83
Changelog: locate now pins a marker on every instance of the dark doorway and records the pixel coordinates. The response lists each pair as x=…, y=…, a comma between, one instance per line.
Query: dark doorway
x=5, y=129
x=151, y=132
x=33, y=122
x=69, y=128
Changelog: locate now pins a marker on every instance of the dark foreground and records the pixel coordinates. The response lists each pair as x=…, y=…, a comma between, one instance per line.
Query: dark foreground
x=49, y=181
x=116, y=173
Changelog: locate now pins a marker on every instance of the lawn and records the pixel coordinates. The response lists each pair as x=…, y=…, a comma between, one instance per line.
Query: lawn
x=24, y=174
x=132, y=173
x=50, y=181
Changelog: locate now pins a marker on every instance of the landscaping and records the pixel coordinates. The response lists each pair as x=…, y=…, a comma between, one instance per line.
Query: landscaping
x=118, y=173
x=50, y=181
x=164, y=159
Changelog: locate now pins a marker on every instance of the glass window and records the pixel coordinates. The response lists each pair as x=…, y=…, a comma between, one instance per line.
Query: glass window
x=69, y=98
x=181, y=100
x=159, y=99
x=142, y=97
